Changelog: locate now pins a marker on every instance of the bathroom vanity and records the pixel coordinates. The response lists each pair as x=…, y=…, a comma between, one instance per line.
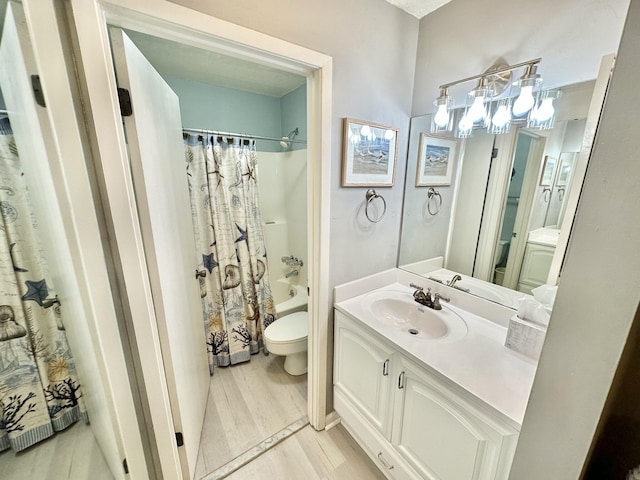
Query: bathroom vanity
x=428, y=394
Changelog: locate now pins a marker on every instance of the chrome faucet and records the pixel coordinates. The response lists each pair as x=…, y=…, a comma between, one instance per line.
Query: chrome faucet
x=292, y=261
x=453, y=281
x=292, y=273
x=425, y=298
x=421, y=297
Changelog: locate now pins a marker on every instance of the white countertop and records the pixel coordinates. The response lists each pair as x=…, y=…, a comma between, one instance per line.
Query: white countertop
x=479, y=362
x=544, y=236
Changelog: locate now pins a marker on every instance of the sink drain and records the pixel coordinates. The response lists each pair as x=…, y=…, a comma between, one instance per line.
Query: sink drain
x=413, y=331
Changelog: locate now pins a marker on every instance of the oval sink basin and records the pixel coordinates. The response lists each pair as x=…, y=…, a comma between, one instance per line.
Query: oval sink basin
x=402, y=312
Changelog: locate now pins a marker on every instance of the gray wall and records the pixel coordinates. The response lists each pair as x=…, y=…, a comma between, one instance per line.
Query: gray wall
x=599, y=290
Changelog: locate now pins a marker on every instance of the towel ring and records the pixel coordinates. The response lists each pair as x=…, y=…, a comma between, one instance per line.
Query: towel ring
x=546, y=197
x=371, y=195
x=432, y=193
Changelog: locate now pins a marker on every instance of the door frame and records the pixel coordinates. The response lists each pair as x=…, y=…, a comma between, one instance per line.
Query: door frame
x=72, y=183
x=173, y=22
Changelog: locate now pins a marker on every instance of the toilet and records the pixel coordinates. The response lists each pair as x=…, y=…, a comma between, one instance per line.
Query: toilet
x=287, y=336
x=501, y=251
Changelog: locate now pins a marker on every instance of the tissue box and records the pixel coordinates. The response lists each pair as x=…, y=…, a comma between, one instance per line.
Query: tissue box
x=525, y=337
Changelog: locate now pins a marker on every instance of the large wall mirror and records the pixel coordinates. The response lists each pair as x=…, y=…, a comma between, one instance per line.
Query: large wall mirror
x=498, y=222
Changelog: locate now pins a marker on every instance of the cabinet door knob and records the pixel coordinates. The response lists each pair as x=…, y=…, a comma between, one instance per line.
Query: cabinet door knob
x=401, y=381
x=386, y=464
x=385, y=368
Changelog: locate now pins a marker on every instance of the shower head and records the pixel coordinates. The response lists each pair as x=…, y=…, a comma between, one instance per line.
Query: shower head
x=284, y=143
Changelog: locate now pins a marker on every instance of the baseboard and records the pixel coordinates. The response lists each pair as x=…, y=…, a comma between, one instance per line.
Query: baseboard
x=331, y=420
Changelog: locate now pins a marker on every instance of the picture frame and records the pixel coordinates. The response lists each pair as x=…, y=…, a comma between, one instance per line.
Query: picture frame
x=565, y=168
x=436, y=159
x=369, y=154
x=548, y=171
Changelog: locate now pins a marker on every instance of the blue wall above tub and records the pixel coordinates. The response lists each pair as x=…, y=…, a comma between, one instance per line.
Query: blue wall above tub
x=212, y=107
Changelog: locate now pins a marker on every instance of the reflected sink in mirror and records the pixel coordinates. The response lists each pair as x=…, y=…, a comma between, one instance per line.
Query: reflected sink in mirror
x=401, y=311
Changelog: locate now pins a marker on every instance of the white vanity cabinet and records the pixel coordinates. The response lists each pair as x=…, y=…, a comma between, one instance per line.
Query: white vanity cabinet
x=413, y=424
x=535, y=266
x=363, y=375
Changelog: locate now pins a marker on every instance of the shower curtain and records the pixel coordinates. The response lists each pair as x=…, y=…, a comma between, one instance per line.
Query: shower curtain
x=39, y=389
x=232, y=260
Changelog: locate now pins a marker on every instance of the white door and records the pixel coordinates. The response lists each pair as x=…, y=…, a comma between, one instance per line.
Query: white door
x=35, y=142
x=154, y=135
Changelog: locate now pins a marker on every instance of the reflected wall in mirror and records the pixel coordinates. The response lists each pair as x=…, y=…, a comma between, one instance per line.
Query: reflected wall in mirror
x=498, y=224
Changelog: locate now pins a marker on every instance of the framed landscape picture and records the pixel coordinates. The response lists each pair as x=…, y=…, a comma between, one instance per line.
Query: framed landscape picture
x=548, y=171
x=369, y=154
x=436, y=156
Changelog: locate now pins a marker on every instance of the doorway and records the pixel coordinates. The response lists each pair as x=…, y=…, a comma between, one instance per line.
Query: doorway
x=204, y=32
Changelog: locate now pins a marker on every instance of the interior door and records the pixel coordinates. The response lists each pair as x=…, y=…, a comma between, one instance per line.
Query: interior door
x=154, y=135
x=34, y=142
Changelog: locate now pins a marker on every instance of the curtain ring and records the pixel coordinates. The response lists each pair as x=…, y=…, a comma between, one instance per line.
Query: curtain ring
x=432, y=193
x=371, y=195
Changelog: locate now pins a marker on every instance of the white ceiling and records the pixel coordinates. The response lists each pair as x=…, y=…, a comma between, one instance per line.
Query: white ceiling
x=418, y=8
x=183, y=61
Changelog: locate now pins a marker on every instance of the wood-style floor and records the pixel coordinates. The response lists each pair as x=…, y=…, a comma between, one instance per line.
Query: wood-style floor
x=310, y=455
x=72, y=454
x=250, y=402
x=247, y=404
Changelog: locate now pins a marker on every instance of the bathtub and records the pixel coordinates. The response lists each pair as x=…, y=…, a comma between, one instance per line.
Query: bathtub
x=288, y=297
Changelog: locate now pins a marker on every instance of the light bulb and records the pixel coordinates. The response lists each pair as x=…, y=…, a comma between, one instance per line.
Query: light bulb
x=388, y=135
x=545, y=111
x=365, y=131
x=501, y=117
x=524, y=102
x=441, y=118
x=355, y=139
x=465, y=123
x=477, y=111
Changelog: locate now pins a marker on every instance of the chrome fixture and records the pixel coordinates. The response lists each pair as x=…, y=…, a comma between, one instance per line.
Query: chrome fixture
x=292, y=261
x=527, y=104
x=453, y=281
x=370, y=196
x=425, y=298
x=434, y=201
x=286, y=141
x=292, y=273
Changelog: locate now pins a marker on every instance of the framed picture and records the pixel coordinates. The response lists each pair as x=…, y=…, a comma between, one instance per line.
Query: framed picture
x=436, y=156
x=548, y=171
x=565, y=168
x=369, y=154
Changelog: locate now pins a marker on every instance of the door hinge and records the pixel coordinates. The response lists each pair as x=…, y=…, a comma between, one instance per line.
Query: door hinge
x=179, y=439
x=124, y=98
x=494, y=153
x=125, y=466
x=37, y=90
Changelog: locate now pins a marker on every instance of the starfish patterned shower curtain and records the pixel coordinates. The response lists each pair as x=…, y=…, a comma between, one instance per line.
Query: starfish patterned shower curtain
x=232, y=261
x=39, y=389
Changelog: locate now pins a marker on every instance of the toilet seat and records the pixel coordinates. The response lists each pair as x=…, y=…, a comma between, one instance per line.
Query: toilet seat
x=291, y=328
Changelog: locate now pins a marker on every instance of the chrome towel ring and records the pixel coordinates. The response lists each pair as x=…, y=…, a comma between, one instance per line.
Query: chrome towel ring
x=432, y=195
x=371, y=195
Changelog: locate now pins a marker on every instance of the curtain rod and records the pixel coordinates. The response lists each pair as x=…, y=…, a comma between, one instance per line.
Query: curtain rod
x=240, y=135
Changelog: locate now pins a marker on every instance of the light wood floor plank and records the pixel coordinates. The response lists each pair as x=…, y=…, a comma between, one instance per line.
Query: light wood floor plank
x=311, y=455
x=68, y=455
x=247, y=404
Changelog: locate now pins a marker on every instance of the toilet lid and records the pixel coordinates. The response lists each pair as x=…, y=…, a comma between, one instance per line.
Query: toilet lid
x=289, y=328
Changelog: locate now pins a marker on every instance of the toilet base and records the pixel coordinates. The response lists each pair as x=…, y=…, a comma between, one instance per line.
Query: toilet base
x=296, y=363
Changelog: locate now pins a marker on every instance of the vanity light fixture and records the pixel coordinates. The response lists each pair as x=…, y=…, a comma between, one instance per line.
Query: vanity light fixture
x=491, y=108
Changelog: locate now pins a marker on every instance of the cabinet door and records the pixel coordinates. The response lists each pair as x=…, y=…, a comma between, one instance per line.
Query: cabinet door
x=444, y=437
x=361, y=371
x=536, y=264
